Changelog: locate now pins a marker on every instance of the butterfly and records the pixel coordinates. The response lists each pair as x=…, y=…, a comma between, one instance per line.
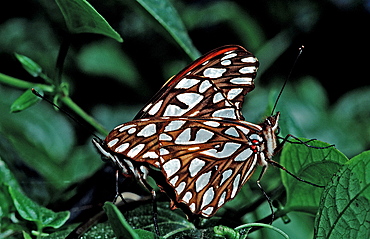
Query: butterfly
x=192, y=137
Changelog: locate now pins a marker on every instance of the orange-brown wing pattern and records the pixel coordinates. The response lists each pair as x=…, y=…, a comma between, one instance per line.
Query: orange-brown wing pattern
x=212, y=86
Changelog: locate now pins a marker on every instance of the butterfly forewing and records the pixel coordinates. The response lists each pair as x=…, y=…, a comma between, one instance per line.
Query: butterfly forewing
x=212, y=86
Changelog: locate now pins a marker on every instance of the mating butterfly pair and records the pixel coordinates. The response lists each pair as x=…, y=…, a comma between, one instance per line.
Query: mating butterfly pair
x=192, y=133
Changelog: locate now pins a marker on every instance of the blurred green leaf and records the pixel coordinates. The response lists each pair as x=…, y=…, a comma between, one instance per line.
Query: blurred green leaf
x=118, y=222
x=107, y=59
x=81, y=17
x=167, y=16
x=29, y=65
x=344, y=209
x=31, y=211
x=26, y=235
x=310, y=164
x=6, y=176
x=36, y=137
x=26, y=100
x=272, y=49
x=226, y=12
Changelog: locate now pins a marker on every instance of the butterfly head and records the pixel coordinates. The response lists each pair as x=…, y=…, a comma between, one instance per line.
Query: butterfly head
x=271, y=129
x=273, y=122
x=100, y=146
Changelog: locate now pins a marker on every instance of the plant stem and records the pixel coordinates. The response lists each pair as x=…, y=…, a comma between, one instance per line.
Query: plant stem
x=73, y=106
x=9, y=80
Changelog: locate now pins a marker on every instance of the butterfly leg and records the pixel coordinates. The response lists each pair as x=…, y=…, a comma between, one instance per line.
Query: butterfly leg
x=142, y=177
x=299, y=141
x=276, y=164
x=118, y=194
x=264, y=168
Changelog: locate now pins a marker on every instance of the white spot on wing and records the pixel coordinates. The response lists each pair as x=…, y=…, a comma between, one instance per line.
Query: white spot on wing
x=201, y=136
x=212, y=123
x=205, y=85
x=192, y=207
x=163, y=151
x=171, y=167
x=112, y=142
x=180, y=188
x=195, y=166
x=147, y=107
x=174, y=125
x=214, y=72
x=164, y=137
x=188, y=195
x=234, y=93
x=150, y=154
x=126, y=127
x=190, y=99
x=221, y=201
x=227, y=151
x=226, y=62
x=208, y=197
x=218, y=97
x=241, y=81
x=202, y=181
x=155, y=108
x=225, y=113
x=244, y=155
x=228, y=56
x=148, y=130
x=247, y=69
x=249, y=59
x=186, y=83
x=122, y=147
x=207, y=212
x=135, y=150
x=235, y=185
x=174, y=180
x=232, y=132
x=225, y=175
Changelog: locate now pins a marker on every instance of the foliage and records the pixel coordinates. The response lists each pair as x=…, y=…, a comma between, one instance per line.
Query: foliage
x=43, y=151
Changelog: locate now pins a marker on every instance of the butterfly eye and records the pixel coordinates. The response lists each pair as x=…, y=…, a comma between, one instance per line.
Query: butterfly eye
x=277, y=131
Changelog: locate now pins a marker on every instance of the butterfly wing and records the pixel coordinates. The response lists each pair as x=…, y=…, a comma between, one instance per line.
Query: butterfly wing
x=207, y=162
x=212, y=86
x=204, y=162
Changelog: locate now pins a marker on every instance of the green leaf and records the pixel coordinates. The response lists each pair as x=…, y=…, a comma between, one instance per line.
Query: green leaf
x=106, y=59
x=26, y=100
x=31, y=211
x=26, y=235
x=145, y=234
x=313, y=165
x=81, y=17
x=167, y=16
x=345, y=205
x=6, y=176
x=29, y=65
x=118, y=222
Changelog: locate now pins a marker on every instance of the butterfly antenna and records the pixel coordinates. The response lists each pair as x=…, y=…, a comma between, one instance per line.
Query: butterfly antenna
x=64, y=111
x=287, y=79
